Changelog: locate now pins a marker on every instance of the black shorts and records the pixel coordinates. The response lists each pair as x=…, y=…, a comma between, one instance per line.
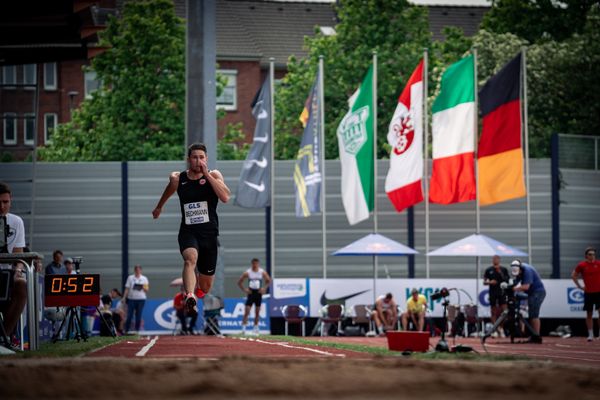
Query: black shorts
x=254, y=298
x=207, y=246
x=497, y=299
x=590, y=300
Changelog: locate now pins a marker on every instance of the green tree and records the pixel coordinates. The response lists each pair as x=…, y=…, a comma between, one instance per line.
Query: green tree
x=395, y=29
x=538, y=19
x=138, y=114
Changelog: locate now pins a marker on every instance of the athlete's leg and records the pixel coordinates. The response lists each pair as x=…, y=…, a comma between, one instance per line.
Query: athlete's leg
x=205, y=282
x=246, y=313
x=256, y=314
x=190, y=257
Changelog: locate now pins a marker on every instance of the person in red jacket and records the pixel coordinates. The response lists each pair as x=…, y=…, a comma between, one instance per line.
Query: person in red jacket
x=589, y=270
x=182, y=313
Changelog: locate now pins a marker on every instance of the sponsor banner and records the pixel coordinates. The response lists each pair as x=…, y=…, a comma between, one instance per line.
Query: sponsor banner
x=288, y=291
x=159, y=317
x=563, y=299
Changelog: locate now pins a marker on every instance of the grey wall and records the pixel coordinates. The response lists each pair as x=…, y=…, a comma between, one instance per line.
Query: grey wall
x=78, y=209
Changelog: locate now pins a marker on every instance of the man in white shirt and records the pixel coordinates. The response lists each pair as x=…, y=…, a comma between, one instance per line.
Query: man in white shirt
x=136, y=287
x=15, y=243
x=258, y=282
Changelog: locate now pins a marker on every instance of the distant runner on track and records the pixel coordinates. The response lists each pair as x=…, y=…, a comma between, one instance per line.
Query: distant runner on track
x=199, y=191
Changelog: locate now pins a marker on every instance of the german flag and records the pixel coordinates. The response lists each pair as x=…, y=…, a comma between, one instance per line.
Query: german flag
x=499, y=153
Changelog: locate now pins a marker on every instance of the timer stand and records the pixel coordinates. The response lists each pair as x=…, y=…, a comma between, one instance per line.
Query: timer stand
x=74, y=325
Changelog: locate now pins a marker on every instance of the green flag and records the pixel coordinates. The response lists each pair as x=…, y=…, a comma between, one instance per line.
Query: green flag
x=355, y=139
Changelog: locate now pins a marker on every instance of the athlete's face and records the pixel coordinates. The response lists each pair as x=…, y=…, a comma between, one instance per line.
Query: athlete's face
x=4, y=203
x=196, y=159
x=591, y=255
x=255, y=266
x=496, y=260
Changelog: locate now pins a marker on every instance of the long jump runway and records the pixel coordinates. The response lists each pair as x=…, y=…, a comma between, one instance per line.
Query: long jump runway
x=213, y=347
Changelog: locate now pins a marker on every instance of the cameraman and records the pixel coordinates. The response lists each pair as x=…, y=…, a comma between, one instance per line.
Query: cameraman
x=493, y=277
x=15, y=244
x=530, y=283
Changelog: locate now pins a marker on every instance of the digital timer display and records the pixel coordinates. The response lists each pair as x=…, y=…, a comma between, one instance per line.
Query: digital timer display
x=72, y=290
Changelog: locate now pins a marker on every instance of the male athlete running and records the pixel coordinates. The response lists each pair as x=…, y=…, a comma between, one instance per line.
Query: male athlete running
x=199, y=192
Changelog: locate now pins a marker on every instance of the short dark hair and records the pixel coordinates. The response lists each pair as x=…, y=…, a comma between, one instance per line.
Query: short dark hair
x=388, y=296
x=196, y=146
x=57, y=252
x=588, y=249
x=255, y=260
x=4, y=188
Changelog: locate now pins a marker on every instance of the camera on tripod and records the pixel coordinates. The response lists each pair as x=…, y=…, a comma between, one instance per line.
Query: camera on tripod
x=77, y=261
x=438, y=294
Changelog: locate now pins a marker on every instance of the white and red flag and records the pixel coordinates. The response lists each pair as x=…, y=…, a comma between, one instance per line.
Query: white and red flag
x=405, y=135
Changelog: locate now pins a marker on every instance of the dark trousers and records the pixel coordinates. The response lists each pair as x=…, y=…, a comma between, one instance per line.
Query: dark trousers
x=183, y=319
x=134, y=306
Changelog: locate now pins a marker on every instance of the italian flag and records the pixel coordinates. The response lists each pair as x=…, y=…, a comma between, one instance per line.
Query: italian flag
x=453, y=131
x=355, y=142
x=405, y=136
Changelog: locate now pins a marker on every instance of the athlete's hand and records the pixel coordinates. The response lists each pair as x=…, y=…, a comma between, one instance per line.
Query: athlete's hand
x=248, y=291
x=203, y=167
x=156, y=212
x=262, y=291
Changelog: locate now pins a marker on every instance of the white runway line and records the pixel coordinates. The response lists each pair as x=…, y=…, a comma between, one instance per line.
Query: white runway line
x=289, y=346
x=147, y=347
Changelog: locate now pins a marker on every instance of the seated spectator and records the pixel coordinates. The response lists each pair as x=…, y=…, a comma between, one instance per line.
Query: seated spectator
x=108, y=325
x=180, y=309
x=118, y=309
x=385, y=314
x=56, y=266
x=416, y=307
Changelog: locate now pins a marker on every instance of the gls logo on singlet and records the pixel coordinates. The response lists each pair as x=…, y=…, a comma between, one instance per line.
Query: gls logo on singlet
x=196, y=213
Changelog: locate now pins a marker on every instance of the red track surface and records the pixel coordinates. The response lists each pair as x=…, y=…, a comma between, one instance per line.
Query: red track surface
x=573, y=350
x=211, y=347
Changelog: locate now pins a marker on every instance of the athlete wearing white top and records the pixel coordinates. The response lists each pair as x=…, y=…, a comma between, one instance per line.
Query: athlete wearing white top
x=16, y=242
x=258, y=282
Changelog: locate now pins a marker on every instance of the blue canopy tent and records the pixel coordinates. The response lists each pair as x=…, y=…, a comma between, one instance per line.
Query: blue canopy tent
x=375, y=245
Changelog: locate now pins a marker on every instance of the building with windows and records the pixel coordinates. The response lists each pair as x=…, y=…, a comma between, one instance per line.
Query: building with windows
x=248, y=32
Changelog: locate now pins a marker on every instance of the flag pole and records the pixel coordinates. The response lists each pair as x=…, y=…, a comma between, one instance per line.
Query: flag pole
x=321, y=88
x=272, y=163
x=425, y=122
x=374, y=100
x=475, y=152
x=526, y=134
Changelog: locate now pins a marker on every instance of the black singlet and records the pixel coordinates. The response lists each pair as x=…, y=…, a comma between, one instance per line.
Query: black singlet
x=198, y=203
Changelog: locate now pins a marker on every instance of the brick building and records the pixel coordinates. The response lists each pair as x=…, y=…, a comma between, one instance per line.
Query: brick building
x=248, y=34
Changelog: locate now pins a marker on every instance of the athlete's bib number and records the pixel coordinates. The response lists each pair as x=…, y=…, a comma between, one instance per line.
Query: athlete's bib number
x=196, y=213
x=254, y=284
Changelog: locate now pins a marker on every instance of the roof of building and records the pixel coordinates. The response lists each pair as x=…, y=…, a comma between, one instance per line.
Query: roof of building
x=467, y=18
x=57, y=30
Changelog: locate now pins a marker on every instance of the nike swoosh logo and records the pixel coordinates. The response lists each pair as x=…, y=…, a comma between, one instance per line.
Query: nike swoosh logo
x=260, y=188
x=262, y=114
x=263, y=139
x=261, y=164
x=184, y=183
x=339, y=300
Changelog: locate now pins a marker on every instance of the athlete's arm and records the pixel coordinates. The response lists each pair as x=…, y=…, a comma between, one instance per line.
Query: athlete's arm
x=241, y=283
x=575, y=277
x=268, y=281
x=218, y=183
x=168, y=192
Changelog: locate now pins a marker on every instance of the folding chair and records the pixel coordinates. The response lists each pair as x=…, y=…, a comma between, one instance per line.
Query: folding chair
x=294, y=314
x=471, y=318
x=212, y=310
x=361, y=314
x=332, y=314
